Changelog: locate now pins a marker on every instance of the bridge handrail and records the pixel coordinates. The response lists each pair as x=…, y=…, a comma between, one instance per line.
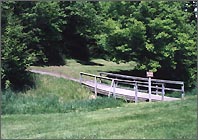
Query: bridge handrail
x=102, y=77
x=136, y=83
x=139, y=83
x=97, y=76
x=141, y=78
x=157, y=82
x=124, y=76
x=112, y=87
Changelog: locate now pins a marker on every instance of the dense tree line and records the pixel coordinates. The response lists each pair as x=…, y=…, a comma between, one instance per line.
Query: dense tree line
x=159, y=36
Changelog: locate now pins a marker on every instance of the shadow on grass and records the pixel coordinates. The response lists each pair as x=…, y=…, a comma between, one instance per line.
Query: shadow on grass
x=137, y=73
x=22, y=84
x=89, y=63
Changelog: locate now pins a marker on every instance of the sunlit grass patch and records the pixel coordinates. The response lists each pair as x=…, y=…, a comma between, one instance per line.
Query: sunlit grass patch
x=73, y=67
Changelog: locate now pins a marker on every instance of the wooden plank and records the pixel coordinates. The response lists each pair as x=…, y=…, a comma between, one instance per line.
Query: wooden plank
x=172, y=89
x=183, y=93
x=81, y=78
x=136, y=93
x=154, y=87
x=114, y=89
x=149, y=88
x=168, y=81
x=163, y=92
x=95, y=86
x=110, y=88
x=92, y=75
x=124, y=76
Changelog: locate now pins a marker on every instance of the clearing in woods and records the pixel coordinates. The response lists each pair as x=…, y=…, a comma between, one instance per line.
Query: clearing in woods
x=73, y=68
x=161, y=120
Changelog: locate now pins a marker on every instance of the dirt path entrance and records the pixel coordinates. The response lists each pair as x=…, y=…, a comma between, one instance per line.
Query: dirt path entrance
x=56, y=74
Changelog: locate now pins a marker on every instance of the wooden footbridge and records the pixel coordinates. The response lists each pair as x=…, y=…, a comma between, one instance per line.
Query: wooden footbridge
x=131, y=88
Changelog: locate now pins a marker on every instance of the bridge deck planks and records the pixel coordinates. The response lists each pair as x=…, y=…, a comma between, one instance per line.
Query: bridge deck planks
x=128, y=94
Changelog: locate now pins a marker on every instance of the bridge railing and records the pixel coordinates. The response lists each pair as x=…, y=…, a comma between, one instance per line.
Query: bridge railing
x=113, y=85
x=96, y=78
x=158, y=86
x=137, y=85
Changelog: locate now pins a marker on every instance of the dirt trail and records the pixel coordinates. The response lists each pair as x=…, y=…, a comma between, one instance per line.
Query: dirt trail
x=54, y=74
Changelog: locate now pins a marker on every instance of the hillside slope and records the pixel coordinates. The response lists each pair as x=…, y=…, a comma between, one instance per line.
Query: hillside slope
x=58, y=108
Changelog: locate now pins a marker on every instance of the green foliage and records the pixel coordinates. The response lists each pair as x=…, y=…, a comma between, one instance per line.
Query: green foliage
x=159, y=36
x=123, y=41
x=170, y=46
x=83, y=24
x=44, y=22
x=16, y=57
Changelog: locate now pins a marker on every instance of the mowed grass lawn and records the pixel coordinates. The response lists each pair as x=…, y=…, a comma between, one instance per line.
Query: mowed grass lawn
x=156, y=120
x=73, y=67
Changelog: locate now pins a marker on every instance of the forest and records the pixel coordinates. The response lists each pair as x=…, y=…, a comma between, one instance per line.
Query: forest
x=158, y=36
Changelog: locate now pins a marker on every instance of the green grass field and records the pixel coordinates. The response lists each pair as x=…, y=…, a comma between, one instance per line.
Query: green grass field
x=58, y=108
x=162, y=120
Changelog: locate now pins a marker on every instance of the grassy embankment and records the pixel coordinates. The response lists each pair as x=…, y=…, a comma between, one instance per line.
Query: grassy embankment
x=51, y=111
x=53, y=95
x=59, y=95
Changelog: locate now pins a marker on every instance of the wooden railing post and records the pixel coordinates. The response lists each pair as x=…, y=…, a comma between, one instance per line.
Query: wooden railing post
x=116, y=82
x=95, y=86
x=80, y=77
x=163, y=91
x=182, y=94
x=136, y=92
x=156, y=89
x=114, y=88
x=149, y=87
x=100, y=78
x=112, y=82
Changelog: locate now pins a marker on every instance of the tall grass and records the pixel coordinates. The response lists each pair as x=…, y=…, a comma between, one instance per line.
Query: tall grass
x=19, y=104
x=53, y=95
x=65, y=90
